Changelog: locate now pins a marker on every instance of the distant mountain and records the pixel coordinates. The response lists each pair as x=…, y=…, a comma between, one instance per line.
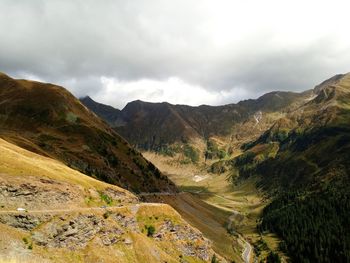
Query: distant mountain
x=154, y=126
x=48, y=120
x=106, y=112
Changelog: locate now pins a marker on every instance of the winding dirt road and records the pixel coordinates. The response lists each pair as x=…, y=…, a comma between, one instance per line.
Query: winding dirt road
x=247, y=253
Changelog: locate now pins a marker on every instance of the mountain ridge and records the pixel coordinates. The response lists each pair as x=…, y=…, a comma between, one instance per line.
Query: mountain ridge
x=49, y=120
x=146, y=126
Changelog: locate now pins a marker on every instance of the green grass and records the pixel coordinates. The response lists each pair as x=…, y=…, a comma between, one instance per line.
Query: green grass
x=106, y=198
x=71, y=117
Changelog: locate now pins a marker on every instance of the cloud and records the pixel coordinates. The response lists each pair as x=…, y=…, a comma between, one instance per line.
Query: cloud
x=183, y=51
x=173, y=90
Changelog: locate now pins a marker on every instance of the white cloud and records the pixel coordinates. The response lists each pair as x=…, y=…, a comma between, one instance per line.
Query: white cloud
x=172, y=90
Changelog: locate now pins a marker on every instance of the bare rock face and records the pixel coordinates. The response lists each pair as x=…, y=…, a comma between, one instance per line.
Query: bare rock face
x=28, y=193
x=126, y=222
x=185, y=233
x=111, y=236
x=32, y=192
x=23, y=221
x=115, y=194
x=65, y=233
x=35, y=193
x=105, y=228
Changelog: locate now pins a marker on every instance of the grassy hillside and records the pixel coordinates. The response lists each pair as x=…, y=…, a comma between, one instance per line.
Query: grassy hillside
x=303, y=162
x=25, y=175
x=47, y=119
x=64, y=220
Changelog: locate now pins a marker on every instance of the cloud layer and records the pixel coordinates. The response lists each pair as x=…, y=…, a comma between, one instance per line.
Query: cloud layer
x=184, y=51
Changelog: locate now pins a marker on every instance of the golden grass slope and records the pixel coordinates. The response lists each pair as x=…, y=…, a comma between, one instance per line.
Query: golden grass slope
x=65, y=223
x=22, y=168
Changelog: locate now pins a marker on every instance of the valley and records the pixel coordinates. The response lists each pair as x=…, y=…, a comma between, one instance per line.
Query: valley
x=232, y=183
x=174, y=131
x=234, y=208
x=262, y=161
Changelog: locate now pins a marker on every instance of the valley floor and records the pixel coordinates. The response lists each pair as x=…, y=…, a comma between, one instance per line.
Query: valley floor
x=226, y=213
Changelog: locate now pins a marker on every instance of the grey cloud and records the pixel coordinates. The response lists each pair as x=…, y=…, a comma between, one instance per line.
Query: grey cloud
x=74, y=43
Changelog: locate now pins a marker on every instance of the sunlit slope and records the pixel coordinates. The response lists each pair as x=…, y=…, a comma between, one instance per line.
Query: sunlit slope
x=71, y=217
x=303, y=163
x=53, y=184
x=49, y=120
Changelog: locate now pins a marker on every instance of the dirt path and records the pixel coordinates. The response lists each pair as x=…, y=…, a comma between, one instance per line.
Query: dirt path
x=134, y=208
x=247, y=251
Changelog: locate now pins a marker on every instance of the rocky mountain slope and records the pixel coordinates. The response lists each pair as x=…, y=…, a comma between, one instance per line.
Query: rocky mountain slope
x=304, y=135
x=63, y=219
x=172, y=129
x=48, y=120
x=105, y=112
x=303, y=163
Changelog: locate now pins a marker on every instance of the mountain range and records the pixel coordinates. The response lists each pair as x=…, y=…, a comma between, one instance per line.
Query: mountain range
x=150, y=126
x=295, y=145
x=73, y=173
x=62, y=174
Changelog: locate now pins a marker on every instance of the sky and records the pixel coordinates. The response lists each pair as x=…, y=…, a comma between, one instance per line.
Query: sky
x=185, y=51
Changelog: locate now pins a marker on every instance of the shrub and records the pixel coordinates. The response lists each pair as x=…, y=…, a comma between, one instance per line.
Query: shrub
x=191, y=153
x=213, y=151
x=150, y=230
x=214, y=259
x=106, y=198
x=106, y=214
x=273, y=258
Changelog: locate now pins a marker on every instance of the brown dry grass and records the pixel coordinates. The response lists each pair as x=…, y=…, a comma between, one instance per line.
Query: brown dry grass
x=18, y=161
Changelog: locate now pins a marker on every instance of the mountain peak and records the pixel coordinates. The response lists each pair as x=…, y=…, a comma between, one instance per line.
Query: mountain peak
x=86, y=98
x=3, y=75
x=331, y=81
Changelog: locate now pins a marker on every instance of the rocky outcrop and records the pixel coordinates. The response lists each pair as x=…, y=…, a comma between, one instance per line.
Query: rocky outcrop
x=23, y=221
x=37, y=193
x=63, y=232
x=104, y=228
x=181, y=234
x=30, y=194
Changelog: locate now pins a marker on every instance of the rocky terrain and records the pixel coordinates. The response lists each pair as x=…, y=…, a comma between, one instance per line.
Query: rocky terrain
x=52, y=213
x=119, y=234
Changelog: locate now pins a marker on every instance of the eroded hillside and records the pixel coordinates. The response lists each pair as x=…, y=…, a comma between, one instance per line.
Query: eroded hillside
x=70, y=217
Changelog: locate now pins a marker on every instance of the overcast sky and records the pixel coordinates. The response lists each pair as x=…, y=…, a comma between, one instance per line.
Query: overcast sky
x=184, y=51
